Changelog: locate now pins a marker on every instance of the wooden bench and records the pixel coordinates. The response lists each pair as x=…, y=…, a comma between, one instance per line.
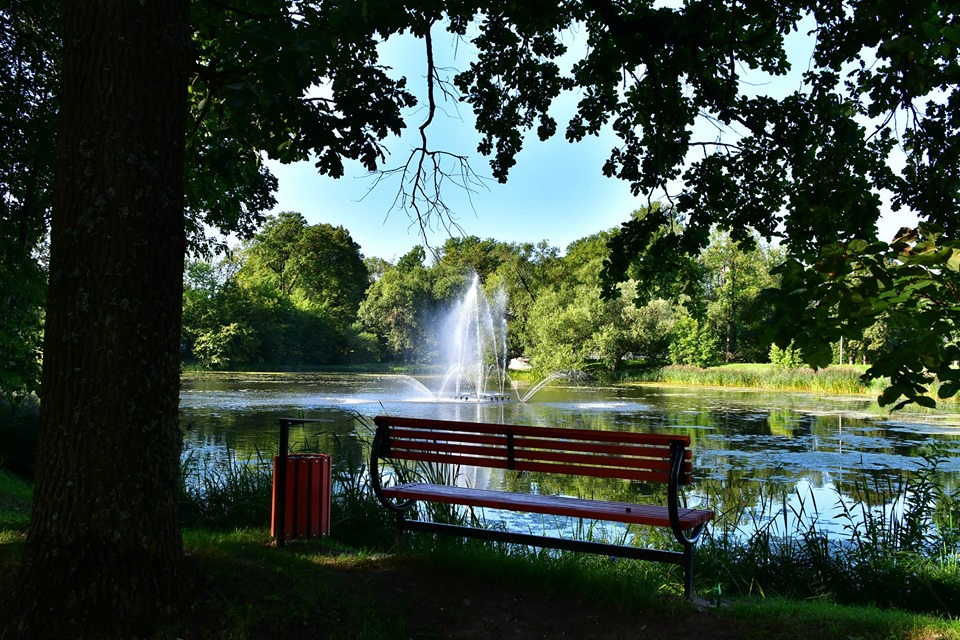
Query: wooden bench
x=645, y=457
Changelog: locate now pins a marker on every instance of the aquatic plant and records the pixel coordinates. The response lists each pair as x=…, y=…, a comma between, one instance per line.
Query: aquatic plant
x=898, y=546
x=838, y=379
x=225, y=494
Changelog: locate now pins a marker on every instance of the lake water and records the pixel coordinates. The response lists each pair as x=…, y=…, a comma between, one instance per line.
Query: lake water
x=811, y=447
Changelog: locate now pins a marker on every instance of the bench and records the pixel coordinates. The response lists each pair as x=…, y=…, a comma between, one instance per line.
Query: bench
x=644, y=457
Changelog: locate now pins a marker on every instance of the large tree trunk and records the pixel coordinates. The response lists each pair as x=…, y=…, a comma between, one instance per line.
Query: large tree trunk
x=103, y=555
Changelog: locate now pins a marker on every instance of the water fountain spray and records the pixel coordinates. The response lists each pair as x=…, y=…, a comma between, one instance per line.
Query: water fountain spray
x=473, y=346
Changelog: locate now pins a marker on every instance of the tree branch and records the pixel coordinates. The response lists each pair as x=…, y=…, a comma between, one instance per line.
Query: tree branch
x=426, y=171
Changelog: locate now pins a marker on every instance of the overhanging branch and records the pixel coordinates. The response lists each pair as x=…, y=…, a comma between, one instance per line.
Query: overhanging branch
x=427, y=172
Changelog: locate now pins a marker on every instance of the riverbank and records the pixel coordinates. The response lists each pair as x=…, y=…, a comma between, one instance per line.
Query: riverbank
x=835, y=379
x=845, y=379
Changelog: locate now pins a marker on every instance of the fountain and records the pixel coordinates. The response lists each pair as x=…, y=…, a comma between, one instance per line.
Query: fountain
x=556, y=375
x=473, y=346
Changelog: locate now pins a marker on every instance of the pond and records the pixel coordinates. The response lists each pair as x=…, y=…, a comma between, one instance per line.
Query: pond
x=812, y=448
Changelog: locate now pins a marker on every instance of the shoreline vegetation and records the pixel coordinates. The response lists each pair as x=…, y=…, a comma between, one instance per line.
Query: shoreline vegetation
x=835, y=379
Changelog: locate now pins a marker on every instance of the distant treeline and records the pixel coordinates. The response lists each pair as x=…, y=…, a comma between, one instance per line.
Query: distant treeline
x=300, y=295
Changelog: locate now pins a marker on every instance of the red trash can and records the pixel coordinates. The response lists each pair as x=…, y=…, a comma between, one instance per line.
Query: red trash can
x=307, y=496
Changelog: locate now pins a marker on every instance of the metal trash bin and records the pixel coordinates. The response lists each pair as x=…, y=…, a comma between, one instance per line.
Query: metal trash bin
x=306, y=503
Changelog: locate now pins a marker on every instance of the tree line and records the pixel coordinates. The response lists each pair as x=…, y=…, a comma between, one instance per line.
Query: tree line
x=300, y=295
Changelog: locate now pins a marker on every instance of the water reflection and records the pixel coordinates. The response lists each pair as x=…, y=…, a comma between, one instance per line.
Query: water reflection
x=744, y=441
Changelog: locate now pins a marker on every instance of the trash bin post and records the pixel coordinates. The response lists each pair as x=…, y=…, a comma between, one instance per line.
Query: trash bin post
x=280, y=486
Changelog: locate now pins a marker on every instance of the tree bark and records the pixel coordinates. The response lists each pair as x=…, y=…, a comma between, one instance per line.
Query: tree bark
x=103, y=555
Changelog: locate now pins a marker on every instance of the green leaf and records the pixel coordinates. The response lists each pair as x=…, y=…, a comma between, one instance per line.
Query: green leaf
x=948, y=390
x=953, y=263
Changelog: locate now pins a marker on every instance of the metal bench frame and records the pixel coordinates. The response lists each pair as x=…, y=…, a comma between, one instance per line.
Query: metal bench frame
x=634, y=456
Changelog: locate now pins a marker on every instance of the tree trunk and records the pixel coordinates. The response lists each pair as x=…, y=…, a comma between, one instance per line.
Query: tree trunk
x=103, y=555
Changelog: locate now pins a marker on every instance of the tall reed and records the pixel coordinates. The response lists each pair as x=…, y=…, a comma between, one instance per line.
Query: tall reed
x=898, y=546
x=836, y=379
x=225, y=494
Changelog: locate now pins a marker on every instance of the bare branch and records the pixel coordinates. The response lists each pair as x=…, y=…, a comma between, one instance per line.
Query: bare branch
x=428, y=172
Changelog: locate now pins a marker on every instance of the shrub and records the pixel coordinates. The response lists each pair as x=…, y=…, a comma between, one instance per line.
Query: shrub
x=788, y=357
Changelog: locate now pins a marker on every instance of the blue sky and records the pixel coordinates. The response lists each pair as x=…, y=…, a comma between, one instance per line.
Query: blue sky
x=556, y=191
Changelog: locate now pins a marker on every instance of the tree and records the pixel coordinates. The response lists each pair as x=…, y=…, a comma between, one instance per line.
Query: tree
x=103, y=554
x=874, y=117
x=223, y=325
x=525, y=271
x=27, y=106
x=319, y=267
x=104, y=524
x=570, y=325
x=813, y=161
x=288, y=297
x=912, y=284
x=394, y=309
x=694, y=343
x=734, y=279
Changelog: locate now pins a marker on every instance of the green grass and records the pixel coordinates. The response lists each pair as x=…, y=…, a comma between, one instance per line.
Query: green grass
x=836, y=379
x=240, y=586
x=15, y=497
x=261, y=592
x=761, y=619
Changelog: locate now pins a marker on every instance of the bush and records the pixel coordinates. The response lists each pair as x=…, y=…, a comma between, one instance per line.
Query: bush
x=694, y=344
x=787, y=357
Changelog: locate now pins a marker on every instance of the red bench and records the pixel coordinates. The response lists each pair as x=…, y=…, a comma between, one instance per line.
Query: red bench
x=642, y=457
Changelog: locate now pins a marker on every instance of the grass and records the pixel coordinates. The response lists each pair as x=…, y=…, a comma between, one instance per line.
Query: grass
x=15, y=497
x=240, y=586
x=835, y=379
x=473, y=591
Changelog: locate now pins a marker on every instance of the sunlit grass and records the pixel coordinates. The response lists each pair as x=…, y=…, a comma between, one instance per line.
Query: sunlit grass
x=836, y=379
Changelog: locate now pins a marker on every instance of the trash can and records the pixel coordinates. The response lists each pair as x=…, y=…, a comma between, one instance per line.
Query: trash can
x=306, y=503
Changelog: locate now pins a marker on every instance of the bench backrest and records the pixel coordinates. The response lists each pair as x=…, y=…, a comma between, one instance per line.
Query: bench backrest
x=610, y=454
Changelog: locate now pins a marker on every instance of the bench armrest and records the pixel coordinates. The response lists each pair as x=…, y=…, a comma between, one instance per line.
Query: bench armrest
x=686, y=537
x=381, y=448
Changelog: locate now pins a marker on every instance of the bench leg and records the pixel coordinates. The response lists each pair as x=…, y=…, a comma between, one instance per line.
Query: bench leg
x=401, y=532
x=688, y=571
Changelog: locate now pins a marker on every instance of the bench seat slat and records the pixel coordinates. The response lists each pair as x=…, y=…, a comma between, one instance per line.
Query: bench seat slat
x=625, y=512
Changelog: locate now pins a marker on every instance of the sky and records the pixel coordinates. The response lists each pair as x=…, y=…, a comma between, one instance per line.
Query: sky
x=556, y=192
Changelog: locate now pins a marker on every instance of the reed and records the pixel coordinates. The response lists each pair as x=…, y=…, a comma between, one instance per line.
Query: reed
x=225, y=494
x=357, y=518
x=898, y=546
x=836, y=379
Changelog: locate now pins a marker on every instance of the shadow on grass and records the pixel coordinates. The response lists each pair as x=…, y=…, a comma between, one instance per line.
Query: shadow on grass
x=245, y=588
